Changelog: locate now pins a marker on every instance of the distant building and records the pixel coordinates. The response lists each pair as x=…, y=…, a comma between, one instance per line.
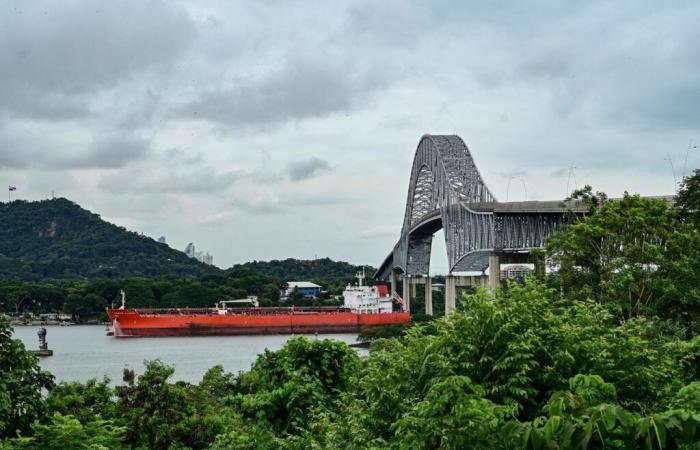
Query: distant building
x=203, y=257
x=162, y=240
x=515, y=271
x=206, y=258
x=305, y=288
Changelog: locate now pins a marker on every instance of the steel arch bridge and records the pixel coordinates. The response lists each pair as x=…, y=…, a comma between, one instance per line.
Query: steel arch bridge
x=446, y=191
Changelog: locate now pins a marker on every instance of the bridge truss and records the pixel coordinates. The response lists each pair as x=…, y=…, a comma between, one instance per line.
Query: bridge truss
x=444, y=183
x=446, y=191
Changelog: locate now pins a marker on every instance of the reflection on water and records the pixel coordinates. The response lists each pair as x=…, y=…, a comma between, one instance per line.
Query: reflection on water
x=84, y=352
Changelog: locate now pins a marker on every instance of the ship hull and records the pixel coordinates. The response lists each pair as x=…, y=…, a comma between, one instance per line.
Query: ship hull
x=279, y=321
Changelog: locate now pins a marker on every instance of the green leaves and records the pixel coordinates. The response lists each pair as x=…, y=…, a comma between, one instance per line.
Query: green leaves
x=637, y=256
x=453, y=415
x=21, y=384
x=66, y=432
x=284, y=389
x=582, y=421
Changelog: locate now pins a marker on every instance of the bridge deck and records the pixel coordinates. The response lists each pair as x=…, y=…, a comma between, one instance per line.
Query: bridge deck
x=544, y=207
x=529, y=207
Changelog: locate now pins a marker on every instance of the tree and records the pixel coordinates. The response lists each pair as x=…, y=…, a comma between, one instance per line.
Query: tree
x=75, y=306
x=284, y=389
x=152, y=406
x=21, y=384
x=453, y=415
x=688, y=198
x=83, y=401
x=615, y=254
x=587, y=416
x=67, y=432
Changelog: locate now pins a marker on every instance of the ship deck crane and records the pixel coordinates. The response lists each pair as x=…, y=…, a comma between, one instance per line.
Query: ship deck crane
x=221, y=305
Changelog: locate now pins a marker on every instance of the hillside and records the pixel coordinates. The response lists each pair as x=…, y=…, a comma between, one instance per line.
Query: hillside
x=300, y=269
x=59, y=239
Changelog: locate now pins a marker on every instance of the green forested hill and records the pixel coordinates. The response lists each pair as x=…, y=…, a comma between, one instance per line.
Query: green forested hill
x=291, y=268
x=59, y=239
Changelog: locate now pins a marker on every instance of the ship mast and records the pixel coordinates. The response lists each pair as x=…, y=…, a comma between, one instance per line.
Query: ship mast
x=361, y=277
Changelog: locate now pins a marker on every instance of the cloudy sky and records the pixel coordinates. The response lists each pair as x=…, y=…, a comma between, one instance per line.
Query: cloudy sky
x=277, y=129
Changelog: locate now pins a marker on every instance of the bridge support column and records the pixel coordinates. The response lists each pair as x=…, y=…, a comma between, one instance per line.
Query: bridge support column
x=494, y=271
x=539, y=266
x=392, y=282
x=407, y=293
x=450, y=294
x=428, y=296
x=414, y=287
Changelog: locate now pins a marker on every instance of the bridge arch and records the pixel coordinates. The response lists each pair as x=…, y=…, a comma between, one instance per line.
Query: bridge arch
x=444, y=183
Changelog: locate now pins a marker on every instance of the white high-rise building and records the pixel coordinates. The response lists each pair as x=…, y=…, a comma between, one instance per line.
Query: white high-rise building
x=206, y=258
x=162, y=240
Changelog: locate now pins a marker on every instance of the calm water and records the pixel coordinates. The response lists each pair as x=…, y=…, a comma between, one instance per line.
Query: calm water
x=84, y=352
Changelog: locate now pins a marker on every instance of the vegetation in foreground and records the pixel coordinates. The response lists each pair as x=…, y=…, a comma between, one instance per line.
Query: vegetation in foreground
x=604, y=354
x=524, y=369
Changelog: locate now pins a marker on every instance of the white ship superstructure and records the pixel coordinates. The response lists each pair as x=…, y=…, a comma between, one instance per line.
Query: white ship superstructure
x=367, y=299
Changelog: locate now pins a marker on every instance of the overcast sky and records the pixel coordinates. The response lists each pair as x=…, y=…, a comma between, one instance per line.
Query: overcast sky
x=276, y=129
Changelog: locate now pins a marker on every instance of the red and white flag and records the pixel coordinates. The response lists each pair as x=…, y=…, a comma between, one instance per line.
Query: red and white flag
x=13, y=188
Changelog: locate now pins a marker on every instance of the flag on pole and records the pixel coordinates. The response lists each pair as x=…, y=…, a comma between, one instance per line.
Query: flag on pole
x=13, y=188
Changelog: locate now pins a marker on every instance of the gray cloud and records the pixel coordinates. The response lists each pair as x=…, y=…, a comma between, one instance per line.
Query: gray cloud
x=300, y=88
x=109, y=152
x=639, y=71
x=196, y=180
x=560, y=172
x=259, y=203
x=307, y=168
x=55, y=56
x=379, y=231
x=21, y=148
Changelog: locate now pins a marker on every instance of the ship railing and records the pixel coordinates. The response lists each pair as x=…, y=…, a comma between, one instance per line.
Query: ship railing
x=245, y=311
x=175, y=311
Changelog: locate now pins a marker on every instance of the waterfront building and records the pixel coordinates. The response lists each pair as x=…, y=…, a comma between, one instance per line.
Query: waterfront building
x=306, y=288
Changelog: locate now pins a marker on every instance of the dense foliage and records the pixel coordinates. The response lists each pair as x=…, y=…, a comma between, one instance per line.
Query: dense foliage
x=88, y=298
x=634, y=255
x=21, y=382
x=58, y=239
x=521, y=369
x=604, y=353
x=298, y=269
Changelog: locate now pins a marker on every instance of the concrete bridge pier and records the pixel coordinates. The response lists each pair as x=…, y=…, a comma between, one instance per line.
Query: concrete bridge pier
x=428, y=296
x=450, y=293
x=410, y=290
x=494, y=271
x=392, y=282
x=406, y=294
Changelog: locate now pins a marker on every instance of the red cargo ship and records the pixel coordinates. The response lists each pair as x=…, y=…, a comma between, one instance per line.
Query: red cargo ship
x=191, y=322
x=222, y=320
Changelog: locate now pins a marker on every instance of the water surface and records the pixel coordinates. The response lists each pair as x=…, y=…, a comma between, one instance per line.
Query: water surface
x=83, y=352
